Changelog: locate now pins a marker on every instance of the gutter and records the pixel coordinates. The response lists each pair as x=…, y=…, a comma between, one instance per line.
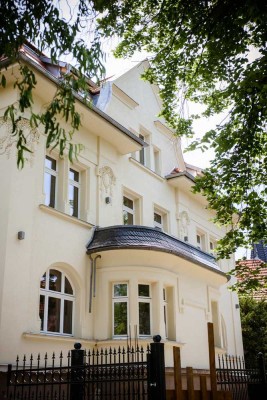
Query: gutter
x=177, y=175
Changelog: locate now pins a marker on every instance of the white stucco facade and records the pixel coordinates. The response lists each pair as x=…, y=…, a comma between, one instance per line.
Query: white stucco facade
x=181, y=294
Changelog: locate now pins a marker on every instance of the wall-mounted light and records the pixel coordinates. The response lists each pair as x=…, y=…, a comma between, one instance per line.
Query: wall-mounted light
x=21, y=235
x=237, y=306
x=108, y=200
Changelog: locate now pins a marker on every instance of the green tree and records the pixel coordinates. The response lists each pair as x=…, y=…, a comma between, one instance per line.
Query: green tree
x=44, y=24
x=199, y=52
x=254, y=326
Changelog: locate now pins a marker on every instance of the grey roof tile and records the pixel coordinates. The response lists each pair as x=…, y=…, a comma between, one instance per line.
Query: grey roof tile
x=146, y=238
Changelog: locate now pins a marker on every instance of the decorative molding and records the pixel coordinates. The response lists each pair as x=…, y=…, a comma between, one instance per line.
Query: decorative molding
x=8, y=140
x=108, y=180
x=122, y=96
x=163, y=128
x=148, y=170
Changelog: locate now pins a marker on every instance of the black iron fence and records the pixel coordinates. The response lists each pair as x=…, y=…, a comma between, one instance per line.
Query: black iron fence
x=246, y=382
x=102, y=374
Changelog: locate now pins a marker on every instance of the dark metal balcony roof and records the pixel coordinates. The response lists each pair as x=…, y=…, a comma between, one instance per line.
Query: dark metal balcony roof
x=145, y=238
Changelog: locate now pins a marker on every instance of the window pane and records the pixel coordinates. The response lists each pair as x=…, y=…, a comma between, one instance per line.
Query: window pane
x=165, y=321
x=120, y=318
x=74, y=175
x=67, y=328
x=128, y=202
x=53, y=319
x=157, y=218
x=143, y=290
x=55, y=280
x=50, y=190
x=74, y=200
x=43, y=281
x=41, y=311
x=127, y=218
x=68, y=288
x=120, y=289
x=50, y=163
x=144, y=318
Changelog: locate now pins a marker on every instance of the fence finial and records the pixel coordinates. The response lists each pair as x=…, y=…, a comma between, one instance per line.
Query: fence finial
x=156, y=339
x=77, y=346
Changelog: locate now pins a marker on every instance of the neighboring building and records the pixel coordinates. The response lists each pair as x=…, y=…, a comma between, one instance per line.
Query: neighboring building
x=255, y=269
x=114, y=247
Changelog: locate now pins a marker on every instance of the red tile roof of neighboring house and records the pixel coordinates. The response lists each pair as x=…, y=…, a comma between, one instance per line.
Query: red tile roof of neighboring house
x=257, y=269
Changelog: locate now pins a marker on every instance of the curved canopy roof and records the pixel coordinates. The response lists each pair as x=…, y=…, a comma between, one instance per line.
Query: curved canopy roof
x=145, y=238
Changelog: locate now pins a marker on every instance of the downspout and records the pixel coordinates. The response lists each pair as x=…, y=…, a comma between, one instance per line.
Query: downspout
x=92, y=285
x=98, y=183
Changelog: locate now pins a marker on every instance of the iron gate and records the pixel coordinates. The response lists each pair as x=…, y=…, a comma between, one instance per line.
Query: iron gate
x=246, y=382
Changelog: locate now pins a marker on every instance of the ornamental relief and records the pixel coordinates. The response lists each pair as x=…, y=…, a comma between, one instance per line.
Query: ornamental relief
x=183, y=225
x=107, y=180
x=8, y=141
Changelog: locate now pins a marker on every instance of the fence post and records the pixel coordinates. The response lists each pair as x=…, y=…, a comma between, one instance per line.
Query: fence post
x=77, y=382
x=262, y=372
x=156, y=378
x=177, y=373
x=213, y=379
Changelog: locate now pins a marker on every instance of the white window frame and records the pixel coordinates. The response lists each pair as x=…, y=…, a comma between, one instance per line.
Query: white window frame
x=212, y=245
x=158, y=225
x=53, y=173
x=77, y=185
x=142, y=152
x=145, y=299
x=120, y=299
x=47, y=293
x=128, y=210
x=156, y=160
x=164, y=225
x=201, y=240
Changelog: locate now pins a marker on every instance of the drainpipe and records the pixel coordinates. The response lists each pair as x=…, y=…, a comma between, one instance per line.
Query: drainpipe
x=92, y=288
x=98, y=183
x=94, y=291
x=91, y=283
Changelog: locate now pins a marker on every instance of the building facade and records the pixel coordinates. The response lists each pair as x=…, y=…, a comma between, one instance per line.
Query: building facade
x=114, y=248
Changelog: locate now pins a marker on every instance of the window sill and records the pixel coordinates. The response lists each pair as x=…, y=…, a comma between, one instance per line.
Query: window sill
x=96, y=343
x=57, y=338
x=143, y=167
x=65, y=216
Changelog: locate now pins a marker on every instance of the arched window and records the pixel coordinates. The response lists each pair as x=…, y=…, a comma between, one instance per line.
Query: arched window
x=56, y=303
